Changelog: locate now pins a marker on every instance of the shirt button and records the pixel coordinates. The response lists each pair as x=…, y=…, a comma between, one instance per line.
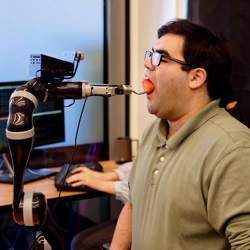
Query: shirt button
x=156, y=171
x=162, y=158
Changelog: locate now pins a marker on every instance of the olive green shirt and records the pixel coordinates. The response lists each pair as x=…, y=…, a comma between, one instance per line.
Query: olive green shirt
x=192, y=191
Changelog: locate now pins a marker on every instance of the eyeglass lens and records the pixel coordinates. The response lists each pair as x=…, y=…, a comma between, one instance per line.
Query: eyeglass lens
x=154, y=56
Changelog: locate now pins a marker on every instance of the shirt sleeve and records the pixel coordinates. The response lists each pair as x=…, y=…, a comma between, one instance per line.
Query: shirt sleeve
x=122, y=190
x=121, y=186
x=228, y=203
x=123, y=171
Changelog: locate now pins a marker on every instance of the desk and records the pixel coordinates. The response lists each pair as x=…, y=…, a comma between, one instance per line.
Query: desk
x=45, y=186
x=8, y=228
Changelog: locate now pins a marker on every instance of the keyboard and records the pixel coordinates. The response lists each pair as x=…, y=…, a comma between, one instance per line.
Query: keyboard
x=29, y=176
x=60, y=178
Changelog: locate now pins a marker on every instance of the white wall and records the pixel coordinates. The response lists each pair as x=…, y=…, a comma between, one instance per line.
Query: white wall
x=146, y=17
x=116, y=65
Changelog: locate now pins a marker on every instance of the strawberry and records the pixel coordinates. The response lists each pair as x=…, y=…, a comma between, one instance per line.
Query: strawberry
x=148, y=86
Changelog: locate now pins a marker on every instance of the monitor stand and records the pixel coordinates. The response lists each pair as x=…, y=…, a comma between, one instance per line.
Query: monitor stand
x=7, y=173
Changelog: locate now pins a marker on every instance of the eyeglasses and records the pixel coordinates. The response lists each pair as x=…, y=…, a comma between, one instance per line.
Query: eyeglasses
x=158, y=57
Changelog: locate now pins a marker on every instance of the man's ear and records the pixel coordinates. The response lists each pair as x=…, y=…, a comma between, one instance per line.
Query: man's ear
x=198, y=77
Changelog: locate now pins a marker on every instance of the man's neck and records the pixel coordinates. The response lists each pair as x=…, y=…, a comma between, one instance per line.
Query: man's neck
x=175, y=125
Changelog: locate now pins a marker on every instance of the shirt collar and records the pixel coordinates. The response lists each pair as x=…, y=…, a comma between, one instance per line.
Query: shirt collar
x=188, y=128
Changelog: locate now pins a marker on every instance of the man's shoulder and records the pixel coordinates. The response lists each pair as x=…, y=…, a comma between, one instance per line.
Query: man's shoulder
x=225, y=127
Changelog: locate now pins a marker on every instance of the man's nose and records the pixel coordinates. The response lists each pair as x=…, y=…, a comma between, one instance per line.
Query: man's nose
x=148, y=65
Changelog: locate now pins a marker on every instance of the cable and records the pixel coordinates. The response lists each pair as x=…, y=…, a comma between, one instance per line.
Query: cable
x=73, y=74
x=75, y=69
x=71, y=104
x=73, y=154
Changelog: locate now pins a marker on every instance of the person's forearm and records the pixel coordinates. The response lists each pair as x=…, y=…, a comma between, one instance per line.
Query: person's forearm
x=108, y=176
x=123, y=234
x=103, y=186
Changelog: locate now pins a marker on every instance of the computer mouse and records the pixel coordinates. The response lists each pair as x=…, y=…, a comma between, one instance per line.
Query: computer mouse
x=65, y=172
x=93, y=165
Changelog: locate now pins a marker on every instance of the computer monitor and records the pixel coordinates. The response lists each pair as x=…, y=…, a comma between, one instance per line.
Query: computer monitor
x=27, y=33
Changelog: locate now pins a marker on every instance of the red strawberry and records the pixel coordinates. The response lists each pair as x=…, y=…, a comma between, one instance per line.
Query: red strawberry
x=148, y=86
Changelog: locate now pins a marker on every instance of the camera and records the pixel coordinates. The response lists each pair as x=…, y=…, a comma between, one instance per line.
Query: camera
x=50, y=68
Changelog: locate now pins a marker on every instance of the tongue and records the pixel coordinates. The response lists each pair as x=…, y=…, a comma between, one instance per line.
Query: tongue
x=148, y=86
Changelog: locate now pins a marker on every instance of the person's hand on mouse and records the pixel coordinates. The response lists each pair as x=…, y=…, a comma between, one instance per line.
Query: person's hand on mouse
x=82, y=176
x=97, y=180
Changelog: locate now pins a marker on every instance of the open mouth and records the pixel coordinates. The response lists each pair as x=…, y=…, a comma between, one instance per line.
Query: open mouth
x=148, y=85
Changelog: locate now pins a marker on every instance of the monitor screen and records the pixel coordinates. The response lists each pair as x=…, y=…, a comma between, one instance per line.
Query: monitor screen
x=55, y=28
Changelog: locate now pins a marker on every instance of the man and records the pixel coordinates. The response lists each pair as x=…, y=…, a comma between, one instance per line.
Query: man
x=190, y=184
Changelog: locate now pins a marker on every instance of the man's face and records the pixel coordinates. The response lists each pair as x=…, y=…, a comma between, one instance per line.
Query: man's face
x=167, y=101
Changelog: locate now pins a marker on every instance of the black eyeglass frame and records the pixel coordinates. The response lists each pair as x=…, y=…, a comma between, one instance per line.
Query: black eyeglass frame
x=149, y=53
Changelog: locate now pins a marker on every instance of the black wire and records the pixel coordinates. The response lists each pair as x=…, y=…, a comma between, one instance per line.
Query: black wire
x=72, y=157
x=73, y=102
x=75, y=69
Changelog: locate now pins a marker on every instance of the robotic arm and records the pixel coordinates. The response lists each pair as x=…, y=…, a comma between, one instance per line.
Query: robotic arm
x=30, y=208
